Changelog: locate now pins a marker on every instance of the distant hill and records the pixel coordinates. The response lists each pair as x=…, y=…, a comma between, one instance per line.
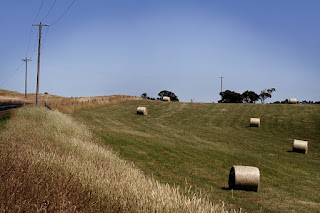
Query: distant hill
x=63, y=104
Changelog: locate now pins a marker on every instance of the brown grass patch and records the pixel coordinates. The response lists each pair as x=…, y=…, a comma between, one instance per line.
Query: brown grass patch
x=63, y=104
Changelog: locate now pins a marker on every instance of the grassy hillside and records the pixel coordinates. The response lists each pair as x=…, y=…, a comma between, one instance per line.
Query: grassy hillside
x=12, y=96
x=195, y=145
x=51, y=163
x=63, y=104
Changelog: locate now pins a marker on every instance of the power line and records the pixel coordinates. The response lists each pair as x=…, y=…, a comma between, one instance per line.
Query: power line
x=35, y=43
x=31, y=30
x=34, y=49
x=45, y=37
x=29, y=42
x=38, y=11
x=30, y=35
x=63, y=13
x=49, y=10
x=15, y=72
x=28, y=46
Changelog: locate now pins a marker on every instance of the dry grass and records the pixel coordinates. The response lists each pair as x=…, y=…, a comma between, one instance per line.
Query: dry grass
x=11, y=96
x=68, y=105
x=50, y=162
x=63, y=104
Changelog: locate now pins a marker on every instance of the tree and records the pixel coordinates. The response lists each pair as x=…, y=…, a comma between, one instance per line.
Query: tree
x=172, y=96
x=230, y=97
x=250, y=96
x=266, y=94
x=271, y=90
x=144, y=95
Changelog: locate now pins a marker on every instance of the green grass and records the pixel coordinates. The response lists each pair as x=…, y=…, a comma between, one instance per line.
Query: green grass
x=196, y=144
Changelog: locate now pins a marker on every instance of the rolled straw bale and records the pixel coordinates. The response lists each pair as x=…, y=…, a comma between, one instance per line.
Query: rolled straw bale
x=244, y=177
x=300, y=146
x=142, y=111
x=292, y=100
x=166, y=98
x=255, y=122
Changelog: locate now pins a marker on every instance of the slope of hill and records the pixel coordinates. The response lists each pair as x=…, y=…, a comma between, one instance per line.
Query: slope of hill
x=195, y=145
x=62, y=104
x=52, y=163
x=12, y=96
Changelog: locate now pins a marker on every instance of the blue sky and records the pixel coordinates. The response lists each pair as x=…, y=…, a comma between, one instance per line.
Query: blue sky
x=135, y=46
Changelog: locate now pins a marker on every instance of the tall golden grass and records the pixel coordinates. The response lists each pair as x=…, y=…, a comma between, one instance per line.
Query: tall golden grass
x=50, y=162
x=63, y=104
x=68, y=105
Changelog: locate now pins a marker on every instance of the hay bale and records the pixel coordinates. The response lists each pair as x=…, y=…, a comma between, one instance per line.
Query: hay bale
x=244, y=178
x=255, y=122
x=300, y=146
x=166, y=98
x=292, y=100
x=142, y=111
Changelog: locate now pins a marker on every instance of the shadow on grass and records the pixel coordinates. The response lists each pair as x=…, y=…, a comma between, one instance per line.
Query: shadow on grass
x=4, y=117
x=225, y=188
x=297, y=151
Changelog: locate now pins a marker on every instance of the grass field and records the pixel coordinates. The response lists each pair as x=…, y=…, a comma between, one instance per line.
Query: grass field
x=51, y=163
x=195, y=145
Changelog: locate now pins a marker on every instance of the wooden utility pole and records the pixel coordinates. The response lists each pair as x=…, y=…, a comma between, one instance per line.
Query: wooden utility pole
x=26, y=60
x=39, y=48
x=221, y=82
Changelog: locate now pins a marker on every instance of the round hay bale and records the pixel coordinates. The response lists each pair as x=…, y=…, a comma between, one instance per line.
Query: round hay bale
x=142, y=111
x=255, y=122
x=300, y=146
x=244, y=178
x=292, y=100
x=166, y=98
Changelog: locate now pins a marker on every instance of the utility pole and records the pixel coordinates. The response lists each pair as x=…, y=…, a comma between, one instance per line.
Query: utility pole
x=26, y=60
x=39, y=48
x=221, y=82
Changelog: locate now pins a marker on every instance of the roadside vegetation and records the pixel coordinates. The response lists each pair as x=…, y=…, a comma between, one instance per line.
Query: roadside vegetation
x=195, y=145
x=4, y=117
x=50, y=162
x=62, y=104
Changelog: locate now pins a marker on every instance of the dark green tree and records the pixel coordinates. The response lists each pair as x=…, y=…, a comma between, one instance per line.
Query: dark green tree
x=250, y=97
x=172, y=96
x=144, y=95
x=266, y=94
x=230, y=97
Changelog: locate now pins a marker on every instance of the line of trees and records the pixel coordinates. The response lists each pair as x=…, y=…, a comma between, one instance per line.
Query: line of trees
x=229, y=96
x=286, y=101
x=162, y=94
x=233, y=97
